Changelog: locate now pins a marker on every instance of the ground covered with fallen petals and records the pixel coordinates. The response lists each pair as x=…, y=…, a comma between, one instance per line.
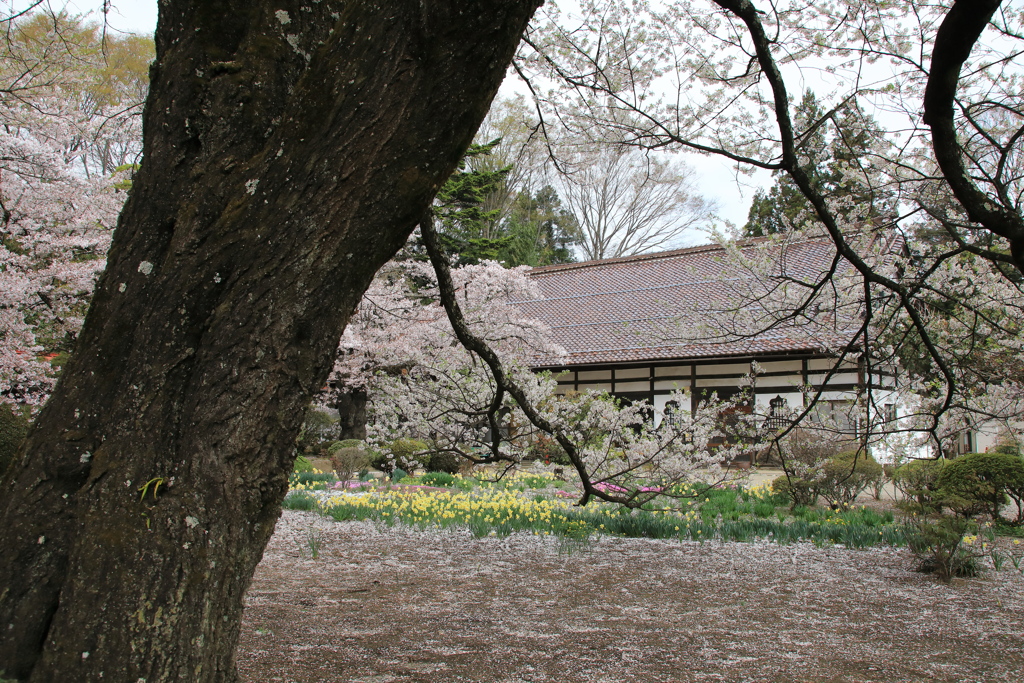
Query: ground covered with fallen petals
x=382, y=605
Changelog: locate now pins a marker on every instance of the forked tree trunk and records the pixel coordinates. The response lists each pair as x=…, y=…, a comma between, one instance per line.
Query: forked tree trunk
x=289, y=150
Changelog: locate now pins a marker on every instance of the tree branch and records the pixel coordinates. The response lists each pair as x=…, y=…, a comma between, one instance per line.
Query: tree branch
x=957, y=35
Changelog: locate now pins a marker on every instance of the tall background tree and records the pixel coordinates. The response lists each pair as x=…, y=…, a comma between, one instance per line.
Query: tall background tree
x=526, y=216
x=468, y=229
x=567, y=196
x=541, y=231
x=627, y=202
x=835, y=148
x=288, y=152
x=489, y=210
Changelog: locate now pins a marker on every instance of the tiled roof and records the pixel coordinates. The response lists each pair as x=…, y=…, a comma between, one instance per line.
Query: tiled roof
x=632, y=309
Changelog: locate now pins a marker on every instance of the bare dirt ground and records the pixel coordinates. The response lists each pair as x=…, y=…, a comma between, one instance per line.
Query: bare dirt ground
x=395, y=605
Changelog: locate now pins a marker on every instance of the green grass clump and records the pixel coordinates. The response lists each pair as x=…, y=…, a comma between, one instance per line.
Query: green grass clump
x=299, y=500
x=533, y=481
x=437, y=479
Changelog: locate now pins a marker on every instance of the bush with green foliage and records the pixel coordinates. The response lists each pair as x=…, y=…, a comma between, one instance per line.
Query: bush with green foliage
x=839, y=478
x=546, y=448
x=302, y=464
x=398, y=474
x=445, y=462
x=978, y=483
x=808, y=454
x=918, y=481
x=13, y=430
x=317, y=428
x=845, y=475
x=798, y=491
x=1007, y=444
x=437, y=479
x=938, y=541
x=405, y=453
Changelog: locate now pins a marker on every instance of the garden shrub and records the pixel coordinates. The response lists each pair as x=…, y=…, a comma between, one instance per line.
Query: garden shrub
x=1007, y=444
x=13, y=430
x=314, y=437
x=799, y=492
x=939, y=543
x=348, y=457
x=445, y=462
x=845, y=475
x=302, y=464
x=398, y=474
x=807, y=454
x=382, y=462
x=405, y=453
x=548, y=449
x=918, y=480
x=978, y=483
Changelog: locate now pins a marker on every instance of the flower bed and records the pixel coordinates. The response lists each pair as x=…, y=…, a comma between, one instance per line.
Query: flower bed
x=726, y=513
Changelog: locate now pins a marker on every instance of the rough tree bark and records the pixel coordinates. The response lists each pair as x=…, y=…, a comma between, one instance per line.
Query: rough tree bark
x=289, y=150
x=351, y=405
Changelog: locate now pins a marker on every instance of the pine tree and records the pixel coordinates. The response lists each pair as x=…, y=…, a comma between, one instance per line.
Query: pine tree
x=465, y=227
x=833, y=150
x=540, y=231
x=535, y=231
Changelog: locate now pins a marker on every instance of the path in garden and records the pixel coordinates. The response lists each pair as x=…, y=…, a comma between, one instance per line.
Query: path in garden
x=396, y=605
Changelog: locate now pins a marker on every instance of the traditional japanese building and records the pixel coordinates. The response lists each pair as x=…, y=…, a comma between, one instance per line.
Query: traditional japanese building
x=643, y=326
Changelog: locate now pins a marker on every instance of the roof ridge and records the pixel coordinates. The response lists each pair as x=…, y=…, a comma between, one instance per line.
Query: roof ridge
x=596, y=263
x=656, y=255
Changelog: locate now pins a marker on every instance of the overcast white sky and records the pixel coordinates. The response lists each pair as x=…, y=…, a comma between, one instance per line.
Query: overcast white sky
x=715, y=177
x=130, y=16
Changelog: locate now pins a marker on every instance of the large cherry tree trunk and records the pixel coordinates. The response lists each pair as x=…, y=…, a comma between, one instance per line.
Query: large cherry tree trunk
x=290, y=147
x=351, y=405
